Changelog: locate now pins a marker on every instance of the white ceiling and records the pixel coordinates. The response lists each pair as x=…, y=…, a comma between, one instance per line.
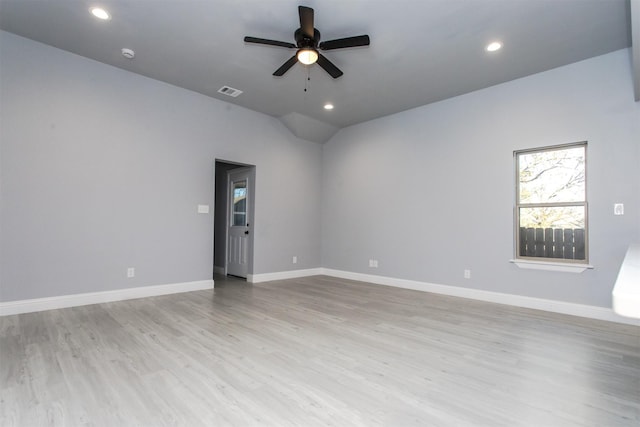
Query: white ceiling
x=422, y=51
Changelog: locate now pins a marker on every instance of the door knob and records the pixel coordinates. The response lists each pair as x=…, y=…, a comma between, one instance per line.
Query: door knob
x=246, y=232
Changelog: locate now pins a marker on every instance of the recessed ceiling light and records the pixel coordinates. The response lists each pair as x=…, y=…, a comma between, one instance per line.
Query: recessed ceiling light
x=328, y=106
x=493, y=46
x=100, y=13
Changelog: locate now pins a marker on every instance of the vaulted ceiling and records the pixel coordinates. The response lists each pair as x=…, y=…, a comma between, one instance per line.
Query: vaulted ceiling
x=421, y=51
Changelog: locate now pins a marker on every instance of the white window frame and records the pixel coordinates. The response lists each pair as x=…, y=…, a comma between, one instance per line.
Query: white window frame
x=544, y=263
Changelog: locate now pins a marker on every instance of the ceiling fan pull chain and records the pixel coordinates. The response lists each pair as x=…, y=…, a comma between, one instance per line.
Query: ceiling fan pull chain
x=307, y=84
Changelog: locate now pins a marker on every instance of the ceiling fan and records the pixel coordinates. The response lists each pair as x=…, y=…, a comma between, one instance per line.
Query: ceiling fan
x=308, y=43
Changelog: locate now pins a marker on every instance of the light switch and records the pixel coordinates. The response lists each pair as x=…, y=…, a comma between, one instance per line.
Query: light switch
x=203, y=209
x=618, y=209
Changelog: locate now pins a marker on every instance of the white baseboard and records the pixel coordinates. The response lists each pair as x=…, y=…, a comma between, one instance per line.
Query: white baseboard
x=589, y=311
x=219, y=270
x=281, y=275
x=52, y=303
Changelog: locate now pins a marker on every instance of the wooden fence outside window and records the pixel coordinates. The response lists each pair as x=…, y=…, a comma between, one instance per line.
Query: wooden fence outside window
x=564, y=243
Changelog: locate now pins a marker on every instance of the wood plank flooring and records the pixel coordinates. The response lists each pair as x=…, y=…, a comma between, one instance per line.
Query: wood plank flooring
x=315, y=351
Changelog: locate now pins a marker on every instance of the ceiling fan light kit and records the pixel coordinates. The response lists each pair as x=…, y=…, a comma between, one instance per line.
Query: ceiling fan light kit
x=308, y=43
x=307, y=56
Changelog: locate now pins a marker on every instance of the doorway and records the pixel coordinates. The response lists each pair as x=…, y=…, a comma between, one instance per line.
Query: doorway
x=233, y=218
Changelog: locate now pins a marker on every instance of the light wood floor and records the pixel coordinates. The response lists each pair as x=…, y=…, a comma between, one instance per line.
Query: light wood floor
x=315, y=351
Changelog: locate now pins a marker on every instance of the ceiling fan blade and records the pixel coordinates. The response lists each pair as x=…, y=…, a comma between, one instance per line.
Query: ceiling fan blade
x=268, y=42
x=306, y=20
x=285, y=67
x=346, y=42
x=328, y=66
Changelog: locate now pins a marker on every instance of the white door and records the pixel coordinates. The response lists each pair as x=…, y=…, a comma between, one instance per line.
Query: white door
x=238, y=223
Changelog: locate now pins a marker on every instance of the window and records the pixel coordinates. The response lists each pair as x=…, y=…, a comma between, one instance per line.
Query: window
x=551, y=204
x=239, y=208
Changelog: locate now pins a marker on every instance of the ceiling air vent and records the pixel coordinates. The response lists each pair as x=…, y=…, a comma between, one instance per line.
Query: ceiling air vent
x=226, y=90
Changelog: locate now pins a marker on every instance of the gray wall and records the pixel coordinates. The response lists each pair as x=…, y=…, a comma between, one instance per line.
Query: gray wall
x=102, y=169
x=429, y=192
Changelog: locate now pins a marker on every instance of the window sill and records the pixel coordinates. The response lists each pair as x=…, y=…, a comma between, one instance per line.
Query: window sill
x=551, y=266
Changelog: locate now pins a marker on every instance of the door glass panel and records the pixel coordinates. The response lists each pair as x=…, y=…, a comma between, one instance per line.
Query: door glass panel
x=239, y=210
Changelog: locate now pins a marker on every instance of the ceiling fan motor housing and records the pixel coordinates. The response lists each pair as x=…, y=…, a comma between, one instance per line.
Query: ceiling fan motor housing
x=304, y=41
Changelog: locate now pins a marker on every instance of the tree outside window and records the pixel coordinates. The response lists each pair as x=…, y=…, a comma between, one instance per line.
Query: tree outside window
x=551, y=204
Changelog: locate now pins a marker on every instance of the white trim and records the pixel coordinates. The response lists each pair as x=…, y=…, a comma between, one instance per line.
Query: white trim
x=219, y=270
x=551, y=266
x=52, y=303
x=282, y=275
x=562, y=307
x=626, y=291
x=64, y=301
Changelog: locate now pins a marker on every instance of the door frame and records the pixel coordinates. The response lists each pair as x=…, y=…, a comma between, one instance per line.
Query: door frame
x=222, y=212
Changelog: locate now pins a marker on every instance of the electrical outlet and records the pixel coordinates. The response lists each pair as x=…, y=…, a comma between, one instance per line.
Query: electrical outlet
x=131, y=272
x=467, y=274
x=294, y=259
x=618, y=209
x=373, y=263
